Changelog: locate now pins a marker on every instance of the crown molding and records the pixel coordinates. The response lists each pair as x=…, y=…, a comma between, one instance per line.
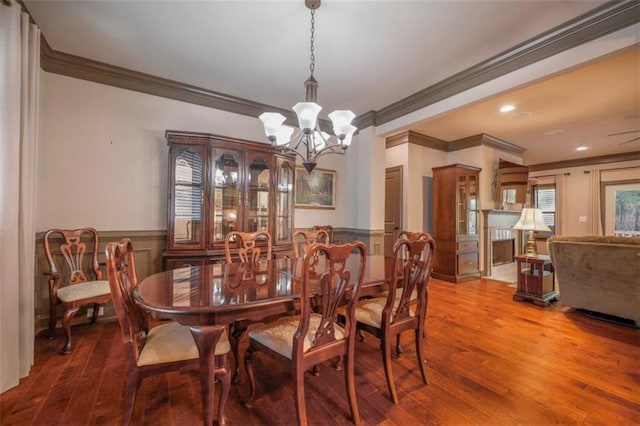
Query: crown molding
x=590, y=161
x=487, y=140
x=111, y=75
x=609, y=17
x=416, y=138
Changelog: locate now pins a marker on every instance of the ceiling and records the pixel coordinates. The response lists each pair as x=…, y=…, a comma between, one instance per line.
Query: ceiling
x=369, y=55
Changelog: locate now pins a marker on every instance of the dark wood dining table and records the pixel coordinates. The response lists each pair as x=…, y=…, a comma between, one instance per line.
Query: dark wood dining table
x=209, y=298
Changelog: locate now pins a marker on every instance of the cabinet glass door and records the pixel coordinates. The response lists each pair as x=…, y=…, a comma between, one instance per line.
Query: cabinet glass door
x=226, y=194
x=461, y=215
x=473, y=212
x=188, y=192
x=258, y=185
x=284, y=202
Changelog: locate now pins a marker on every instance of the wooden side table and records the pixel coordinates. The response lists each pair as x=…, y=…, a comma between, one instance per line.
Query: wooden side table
x=536, y=280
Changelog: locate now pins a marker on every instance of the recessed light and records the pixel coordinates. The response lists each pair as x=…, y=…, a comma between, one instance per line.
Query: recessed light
x=522, y=114
x=553, y=132
x=507, y=108
x=581, y=148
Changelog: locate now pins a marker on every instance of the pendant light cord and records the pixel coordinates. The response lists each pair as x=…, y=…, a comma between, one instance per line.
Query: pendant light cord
x=312, y=65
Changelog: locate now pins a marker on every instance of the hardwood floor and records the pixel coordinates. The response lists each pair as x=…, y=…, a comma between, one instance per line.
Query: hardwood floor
x=491, y=361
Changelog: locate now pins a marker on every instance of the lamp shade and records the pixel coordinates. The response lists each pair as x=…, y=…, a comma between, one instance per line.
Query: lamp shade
x=272, y=122
x=283, y=135
x=341, y=120
x=307, y=113
x=531, y=220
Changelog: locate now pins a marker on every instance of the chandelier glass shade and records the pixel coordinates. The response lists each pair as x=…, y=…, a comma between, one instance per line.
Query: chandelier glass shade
x=308, y=142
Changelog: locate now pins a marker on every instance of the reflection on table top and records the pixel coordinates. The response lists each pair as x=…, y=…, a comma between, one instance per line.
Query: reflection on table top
x=223, y=287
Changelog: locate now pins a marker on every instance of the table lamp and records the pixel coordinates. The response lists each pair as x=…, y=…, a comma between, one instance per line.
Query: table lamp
x=531, y=221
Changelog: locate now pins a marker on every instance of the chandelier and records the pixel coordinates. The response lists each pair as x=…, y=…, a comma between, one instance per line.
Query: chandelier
x=314, y=141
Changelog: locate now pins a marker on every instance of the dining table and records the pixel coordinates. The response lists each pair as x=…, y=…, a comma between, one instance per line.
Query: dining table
x=208, y=298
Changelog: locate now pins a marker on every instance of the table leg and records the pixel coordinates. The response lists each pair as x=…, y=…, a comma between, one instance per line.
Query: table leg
x=206, y=338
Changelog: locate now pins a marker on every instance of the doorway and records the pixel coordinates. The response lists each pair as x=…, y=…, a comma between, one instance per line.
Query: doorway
x=392, y=207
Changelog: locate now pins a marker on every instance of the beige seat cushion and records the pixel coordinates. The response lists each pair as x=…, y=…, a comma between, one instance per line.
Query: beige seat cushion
x=278, y=335
x=174, y=342
x=369, y=311
x=85, y=290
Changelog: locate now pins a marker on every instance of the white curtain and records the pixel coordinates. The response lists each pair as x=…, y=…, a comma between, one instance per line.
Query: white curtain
x=19, y=68
x=594, y=202
x=561, y=188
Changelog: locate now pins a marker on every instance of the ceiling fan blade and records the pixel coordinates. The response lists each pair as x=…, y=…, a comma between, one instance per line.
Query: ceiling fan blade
x=631, y=140
x=624, y=133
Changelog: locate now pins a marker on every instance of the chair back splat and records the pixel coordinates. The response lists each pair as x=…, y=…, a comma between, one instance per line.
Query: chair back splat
x=305, y=239
x=328, y=229
x=252, y=246
x=331, y=277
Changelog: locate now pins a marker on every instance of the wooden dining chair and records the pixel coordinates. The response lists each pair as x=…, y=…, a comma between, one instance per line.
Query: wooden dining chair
x=386, y=317
x=305, y=239
x=251, y=246
x=327, y=228
x=314, y=336
x=166, y=347
x=74, y=280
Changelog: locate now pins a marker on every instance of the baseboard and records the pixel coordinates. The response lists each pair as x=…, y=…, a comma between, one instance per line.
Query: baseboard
x=610, y=318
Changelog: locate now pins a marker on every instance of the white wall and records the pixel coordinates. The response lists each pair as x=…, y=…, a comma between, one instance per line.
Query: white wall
x=103, y=156
x=366, y=163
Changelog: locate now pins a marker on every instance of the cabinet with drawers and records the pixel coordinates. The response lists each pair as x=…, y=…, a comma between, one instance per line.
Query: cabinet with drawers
x=456, y=216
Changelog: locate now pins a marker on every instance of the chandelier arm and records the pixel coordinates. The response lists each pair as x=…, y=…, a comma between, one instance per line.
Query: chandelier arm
x=330, y=149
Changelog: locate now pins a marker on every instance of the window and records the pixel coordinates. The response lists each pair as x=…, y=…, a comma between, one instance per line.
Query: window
x=621, y=208
x=545, y=200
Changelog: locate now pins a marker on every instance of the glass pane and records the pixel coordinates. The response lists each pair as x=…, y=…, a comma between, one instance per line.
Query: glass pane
x=472, y=226
x=462, y=204
x=258, y=196
x=627, y=212
x=188, y=198
x=283, y=203
x=225, y=196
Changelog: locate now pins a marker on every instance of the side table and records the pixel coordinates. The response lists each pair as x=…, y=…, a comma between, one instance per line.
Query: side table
x=536, y=280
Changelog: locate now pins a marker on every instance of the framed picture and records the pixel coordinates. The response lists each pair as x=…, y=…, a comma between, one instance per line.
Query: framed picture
x=315, y=190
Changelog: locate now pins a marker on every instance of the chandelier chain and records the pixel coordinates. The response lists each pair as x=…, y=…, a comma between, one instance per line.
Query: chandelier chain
x=312, y=65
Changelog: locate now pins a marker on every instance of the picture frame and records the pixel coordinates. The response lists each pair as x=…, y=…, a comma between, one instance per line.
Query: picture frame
x=315, y=190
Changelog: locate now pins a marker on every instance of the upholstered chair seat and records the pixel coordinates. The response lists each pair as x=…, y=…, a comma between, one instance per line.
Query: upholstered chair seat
x=173, y=342
x=278, y=335
x=369, y=311
x=83, y=290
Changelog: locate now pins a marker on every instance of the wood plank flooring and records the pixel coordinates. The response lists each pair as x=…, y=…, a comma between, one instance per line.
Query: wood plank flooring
x=490, y=361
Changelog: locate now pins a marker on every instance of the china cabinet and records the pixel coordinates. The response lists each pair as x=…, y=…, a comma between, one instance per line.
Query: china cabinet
x=219, y=184
x=456, y=217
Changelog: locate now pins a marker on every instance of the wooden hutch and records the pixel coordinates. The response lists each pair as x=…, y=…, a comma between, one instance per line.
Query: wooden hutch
x=219, y=184
x=456, y=222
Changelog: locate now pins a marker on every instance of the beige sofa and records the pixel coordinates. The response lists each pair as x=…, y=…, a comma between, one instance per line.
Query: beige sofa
x=600, y=274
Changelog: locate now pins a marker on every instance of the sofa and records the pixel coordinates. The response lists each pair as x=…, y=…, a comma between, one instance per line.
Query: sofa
x=598, y=273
